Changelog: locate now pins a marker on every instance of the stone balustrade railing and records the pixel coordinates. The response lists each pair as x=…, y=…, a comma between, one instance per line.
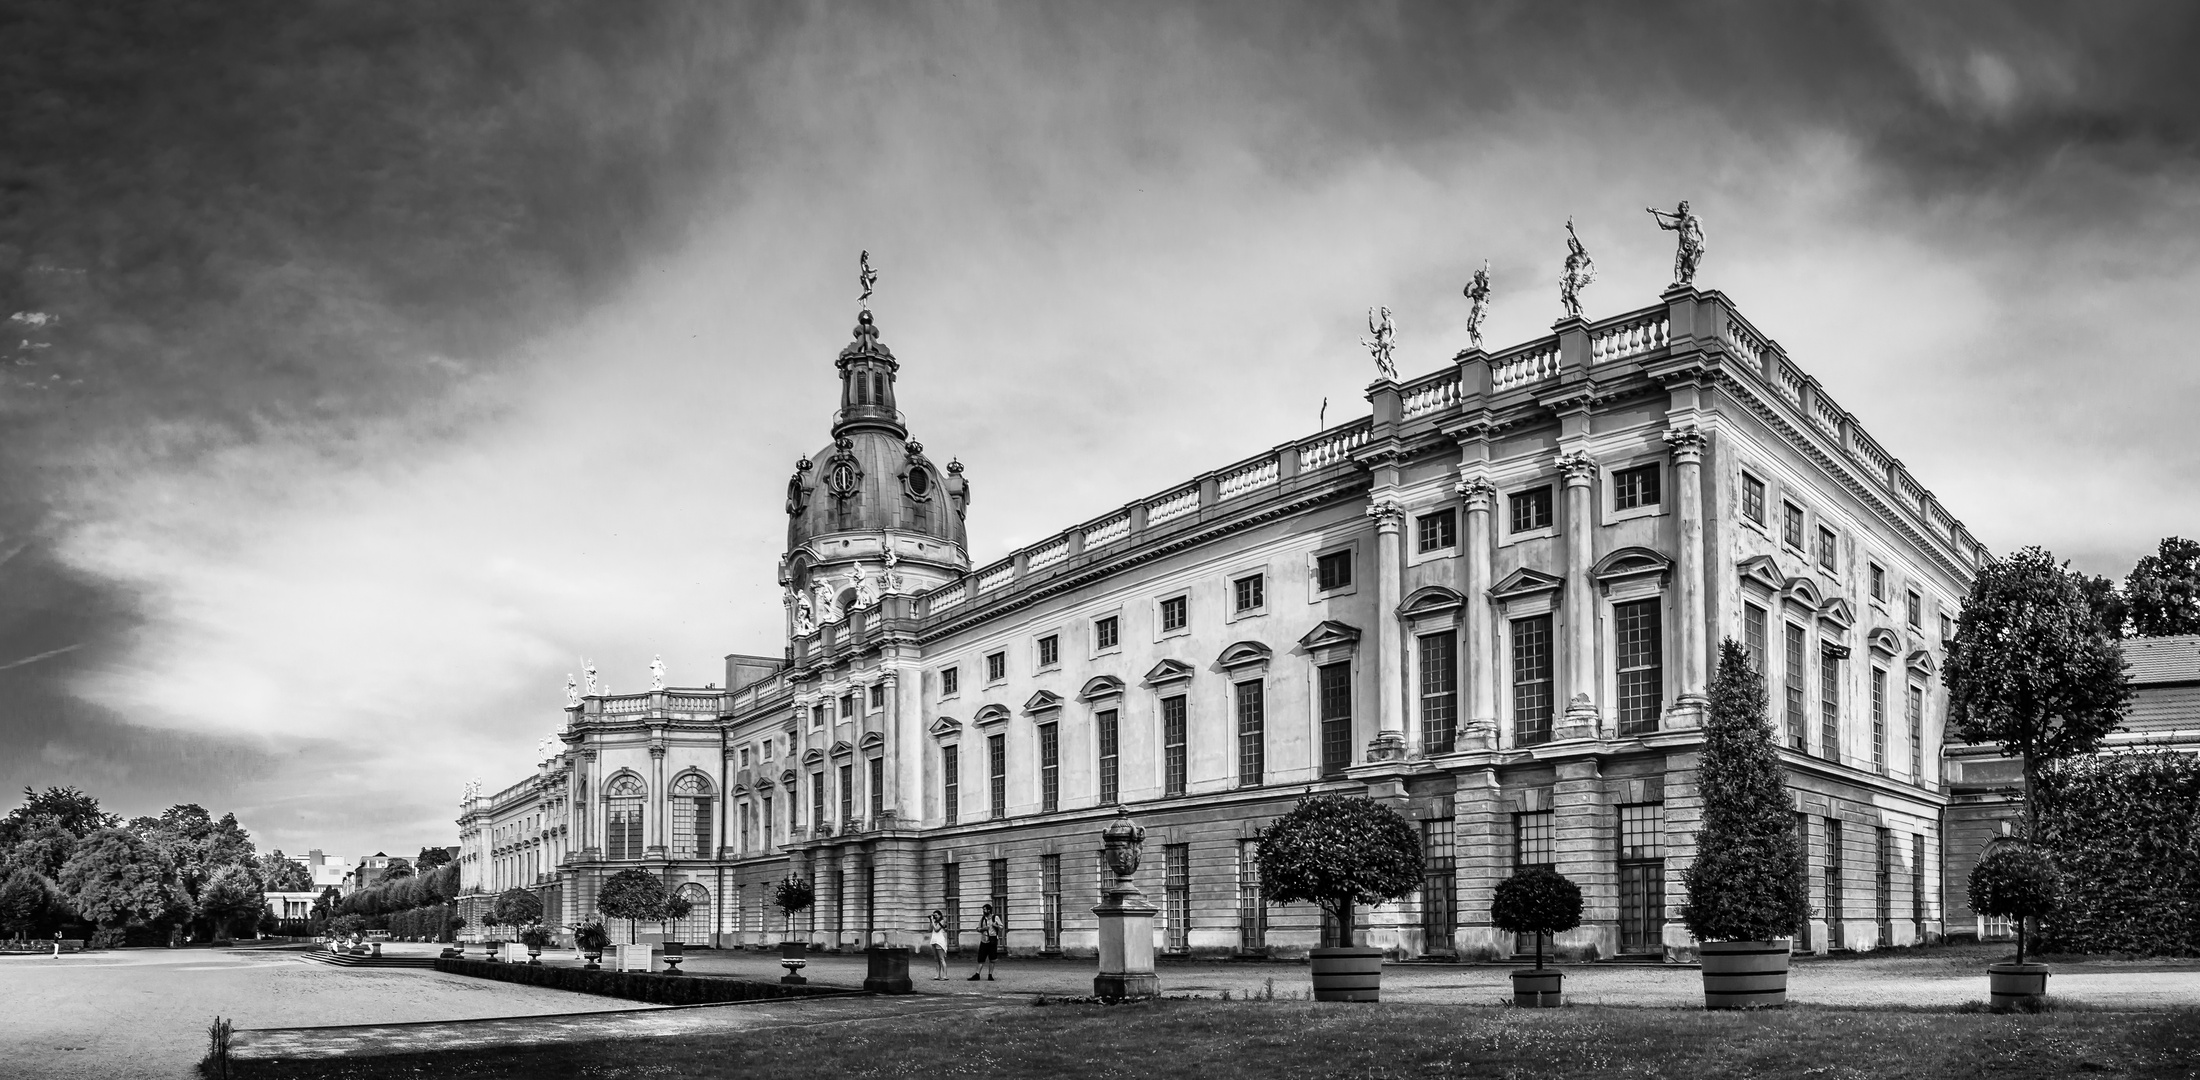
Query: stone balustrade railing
x=1047, y=553
x=1108, y=530
x=997, y=575
x=1249, y=477
x=1633, y=336
x=1334, y=446
x=1173, y=505
x=1433, y=394
x=1525, y=367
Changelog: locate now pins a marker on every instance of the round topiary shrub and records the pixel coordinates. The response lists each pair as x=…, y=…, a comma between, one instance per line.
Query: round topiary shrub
x=1335, y=852
x=516, y=907
x=793, y=894
x=1536, y=900
x=2015, y=881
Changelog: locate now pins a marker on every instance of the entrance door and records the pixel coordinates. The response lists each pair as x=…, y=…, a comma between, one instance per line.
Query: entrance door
x=1642, y=907
x=1439, y=907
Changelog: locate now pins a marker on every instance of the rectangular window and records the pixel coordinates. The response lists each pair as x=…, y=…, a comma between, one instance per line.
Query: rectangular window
x=1834, y=913
x=951, y=783
x=1531, y=509
x=1753, y=635
x=1050, y=902
x=1879, y=582
x=1829, y=706
x=1252, y=909
x=1915, y=710
x=1333, y=570
x=1104, y=725
x=817, y=716
x=1641, y=878
x=1249, y=592
x=847, y=706
x=996, y=752
x=878, y=697
x=1176, y=911
x=876, y=782
x=623, y=829
x=1917, y=884
x=1828, y=544
x=1172, y=746
x=1333, y=684
x=996, y=667
x=764, y=823
x=1791, y=525
x=1753, y=498
x=1798, y=727
x=1050, y=768
x=951, y=902
x=1105, y=633
x=817, y=803
x=1050, y=650
x=1635, y=487
x=1533, y=839
x=1947, y=630
x=950, y=682
x=1884, y=891
x=996, y=876
x=1879, y=720
x=1436, y=531
x=744, y=757
x=1917, y=610
x=847, y=796
x=1173, y=614
x=691, y=828
x=1439, y=692
x=1252, y=732
x=1639, y=636
x=794, y=815
x=1439, y=896
x=1532, y=676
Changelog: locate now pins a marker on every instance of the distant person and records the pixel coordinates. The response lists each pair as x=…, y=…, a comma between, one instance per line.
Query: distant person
x=938, y=942
x=989, y=944
x=57, y=944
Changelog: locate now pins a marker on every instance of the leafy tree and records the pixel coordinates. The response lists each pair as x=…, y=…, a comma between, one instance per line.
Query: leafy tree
x=431, y=858
x=1335, y=852
x=2032, y=668
x=633, y=895
x=347, y=925
x=397, y=871
x=27, y=902
x=2015, y=881
x=116, y=878
x=2107, y=601
x=1536, y=900
x=43, y=848
x=198, y=845
x=328, y=903
x=516, y=907
x=793, y=894
x=65, y=807
x=233, y=896
x=2164, y=589
x=1748, y=881
x=279, y=873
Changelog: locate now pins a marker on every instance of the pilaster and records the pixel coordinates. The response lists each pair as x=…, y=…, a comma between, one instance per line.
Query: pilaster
x=1481, y=729
x=1582, y=716
x=660, y=800
x=1390, y=735
x=1687, y=442
x=1583, y=841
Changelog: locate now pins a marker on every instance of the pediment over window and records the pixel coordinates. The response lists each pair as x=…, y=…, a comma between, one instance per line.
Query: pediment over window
x=1168, y=671
x=1804, y=591
x=1431, y=600
x=1099, y=687
x=1838, y=612
x=1329, y=633
x=945, y=726
x=842, y=749
x=1043, y=701
x=1524, y=582
x=990, y=716
x=788, y=779
x=1244, y=654
x=740, y=789
x=1762, y=571
x=1921, y=662
x=812, y=756
x=871, y=741
x=1883, y=640
x=1630, y=562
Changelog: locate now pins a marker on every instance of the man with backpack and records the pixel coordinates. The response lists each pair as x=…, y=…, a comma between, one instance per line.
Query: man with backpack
x=989, y=943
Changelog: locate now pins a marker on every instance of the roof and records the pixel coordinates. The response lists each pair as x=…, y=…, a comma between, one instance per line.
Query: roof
x=2171, y=659
x=2163, y=709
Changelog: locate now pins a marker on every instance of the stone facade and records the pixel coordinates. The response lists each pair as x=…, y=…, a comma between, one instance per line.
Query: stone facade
x=1492, y=603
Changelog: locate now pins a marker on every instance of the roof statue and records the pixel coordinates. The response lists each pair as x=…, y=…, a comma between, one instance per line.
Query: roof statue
x=1478, y=297
x=889, y=579
x=828, y=605
x=572, y=690
x=588, y=671
x=1689, y=252
x=657, y=673
x=1384, y=339
x=805, y=621
x=868, y=277
x=866, y=587
x=1579, y=273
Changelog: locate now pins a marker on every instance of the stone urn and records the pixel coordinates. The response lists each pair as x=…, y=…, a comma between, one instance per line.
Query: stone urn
x=1126, y=920
x=674, y=951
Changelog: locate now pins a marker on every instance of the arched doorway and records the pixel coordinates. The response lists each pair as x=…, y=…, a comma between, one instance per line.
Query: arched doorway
x=693, y=928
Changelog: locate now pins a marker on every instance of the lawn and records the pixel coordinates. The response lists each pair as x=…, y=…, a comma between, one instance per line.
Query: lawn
x=1215, y=1040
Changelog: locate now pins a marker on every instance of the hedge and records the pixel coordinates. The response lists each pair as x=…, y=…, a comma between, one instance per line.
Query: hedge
x=2124, y=829
x=430, y=923
x=635, y=985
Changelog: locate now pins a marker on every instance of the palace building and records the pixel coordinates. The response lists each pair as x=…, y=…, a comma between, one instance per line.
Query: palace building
x=1493, y=604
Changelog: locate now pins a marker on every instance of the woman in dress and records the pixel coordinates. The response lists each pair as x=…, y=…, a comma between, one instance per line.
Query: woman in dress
x=938, y=941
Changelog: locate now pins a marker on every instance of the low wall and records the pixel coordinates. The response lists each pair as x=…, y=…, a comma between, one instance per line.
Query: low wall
x=635, y=985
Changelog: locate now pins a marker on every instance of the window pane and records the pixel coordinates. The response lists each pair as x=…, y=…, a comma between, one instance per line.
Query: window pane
x=1532, y=839
x=1635, y=487
x=1335, y=687
x=1105, y=724
x=1050, y=651
x=1829, y=706
x=950, y=682
x=1252, y=732
x=1639, y=637
x=1334, y=570
x=1532, y=689
x=1172, y=613
x=1436, y=531
x=1050, y=768
x=1642, y=831
x=1879, y=719
x=1531, y=509
x=1798, y=731
x=1172, y=745
x=1104, y=633
x=996, y=749
x=1753, y=499
x=951, y=783
x=1439, y=692
x=1791, y=525
x=1753, y=635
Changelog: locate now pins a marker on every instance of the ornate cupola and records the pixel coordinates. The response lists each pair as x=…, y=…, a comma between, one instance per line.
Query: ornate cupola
x=869, y=515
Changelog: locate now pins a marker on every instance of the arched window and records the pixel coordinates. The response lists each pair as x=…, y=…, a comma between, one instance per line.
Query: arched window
x=693, y=928
x=691, y=817
x=622, y=819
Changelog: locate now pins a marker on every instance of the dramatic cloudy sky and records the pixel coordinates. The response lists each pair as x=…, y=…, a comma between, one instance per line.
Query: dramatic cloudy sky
x=378, y=360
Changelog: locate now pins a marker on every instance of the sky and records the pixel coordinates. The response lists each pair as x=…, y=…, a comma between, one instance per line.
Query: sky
x=367, y=366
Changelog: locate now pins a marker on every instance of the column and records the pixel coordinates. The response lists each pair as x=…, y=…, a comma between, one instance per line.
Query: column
x=1687, y=442
x=1390, y=736
x=1479, y=495
x=905, y=726
x=1582, y=718
x=660, y=803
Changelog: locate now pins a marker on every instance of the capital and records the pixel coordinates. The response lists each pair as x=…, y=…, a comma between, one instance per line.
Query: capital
x=1478, y=492
x=656, y=752
x=1687, y=443
x=1388, y=513
x=1577, y=468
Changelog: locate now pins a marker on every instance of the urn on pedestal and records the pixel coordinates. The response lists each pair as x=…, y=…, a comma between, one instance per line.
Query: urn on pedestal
x=1126, y=920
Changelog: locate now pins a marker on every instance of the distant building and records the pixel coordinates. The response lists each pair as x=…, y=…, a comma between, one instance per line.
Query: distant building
x=1493, y=604
x=291, y=905
x=1986, y=790
x=327, y=872
x=373, y=868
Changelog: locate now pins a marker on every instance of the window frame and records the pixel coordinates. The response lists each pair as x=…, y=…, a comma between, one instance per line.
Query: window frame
x=1445, y=523
x=1643, y=723
x=1258, y=580
x=1161, y=607
x=1513, y=532
x=1544, y=686
x=996, y=667
x=1175, y=745
x=1046, y=650
x=1650, y=506
x=1107, y=633
x=1877, y=584
x=1350, y=555
x=950, y=681
x=1754, y=485
x=1250, y=710
x=1828, y=555
x=1793, y=514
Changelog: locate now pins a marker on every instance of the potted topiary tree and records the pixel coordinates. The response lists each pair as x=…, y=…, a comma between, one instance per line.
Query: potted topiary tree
x=591, y=939
x=793, y=895
x=1536, y=900
x=534, y=937
x=674, y=908
x=1747, y=888
x=517, y=908
x=1336, y=851
x=2016, y=881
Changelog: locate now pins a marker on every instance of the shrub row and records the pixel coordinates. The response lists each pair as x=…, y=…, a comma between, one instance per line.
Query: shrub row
x=430, y=923
x=2124, y=829
x=635, y=985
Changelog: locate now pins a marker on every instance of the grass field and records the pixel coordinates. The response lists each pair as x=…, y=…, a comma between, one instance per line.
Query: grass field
x=1215, y=1040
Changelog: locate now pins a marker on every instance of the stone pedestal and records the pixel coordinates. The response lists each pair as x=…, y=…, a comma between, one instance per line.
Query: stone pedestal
x=889, y=971
x=1126, y=948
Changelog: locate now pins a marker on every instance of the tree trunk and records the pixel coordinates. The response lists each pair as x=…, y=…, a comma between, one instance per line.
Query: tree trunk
x=2020, y=939
x=1539, y=952
x=1344, y=922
